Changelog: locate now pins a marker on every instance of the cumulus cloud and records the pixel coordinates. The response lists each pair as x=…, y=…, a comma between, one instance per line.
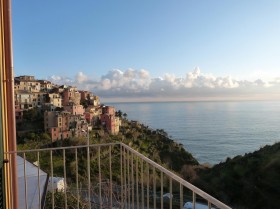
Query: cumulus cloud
x=127, y=81
x=133, y=83
x=81, y=77
x=60, y=80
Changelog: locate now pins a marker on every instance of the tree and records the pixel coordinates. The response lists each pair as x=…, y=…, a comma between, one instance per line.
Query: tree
x=119, y=113
x=85, y=103
x=33, y=114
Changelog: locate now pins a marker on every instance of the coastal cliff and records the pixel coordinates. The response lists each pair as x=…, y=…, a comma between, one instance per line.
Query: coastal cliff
x=249, y=181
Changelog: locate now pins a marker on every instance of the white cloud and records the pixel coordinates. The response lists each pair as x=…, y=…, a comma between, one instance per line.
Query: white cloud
x=60, y=79
x=81, y=77
x=139, y=84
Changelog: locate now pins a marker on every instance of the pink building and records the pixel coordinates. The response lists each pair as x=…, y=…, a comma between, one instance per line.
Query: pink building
x=108, y=110
x=91, y=118
x=58, y=134
x=71, y=96
x=109, y=120
x=75, y=109
x=85, y=95
x=57, y=125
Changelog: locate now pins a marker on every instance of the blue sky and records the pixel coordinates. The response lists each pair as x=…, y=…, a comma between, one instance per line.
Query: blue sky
x=87, y=43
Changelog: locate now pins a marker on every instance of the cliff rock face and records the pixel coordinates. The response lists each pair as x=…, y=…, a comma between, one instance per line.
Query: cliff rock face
x=249, y=181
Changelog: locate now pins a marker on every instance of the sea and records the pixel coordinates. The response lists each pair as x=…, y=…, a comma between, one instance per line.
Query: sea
x=211, y=131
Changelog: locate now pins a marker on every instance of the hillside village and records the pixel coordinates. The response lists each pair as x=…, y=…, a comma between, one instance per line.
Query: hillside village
x=67, y=111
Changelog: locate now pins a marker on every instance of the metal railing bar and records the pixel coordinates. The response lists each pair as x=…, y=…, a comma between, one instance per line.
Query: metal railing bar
x=161, y=189
x=100, y=180
x=132, y=179
x=148, y=181
x=181, y=196
x=25, y=181
x=137, y=184
x=154, y=186
x=125, y=180
x=60, y=148
x=121, y=166
x=111, y=182
x=64, y=174
x=128, y=179
x=77, y=178
x=88, y=174
x=38, y=171
x=170, y=192
x=52, y=178
x=9, y=157
x=129, y=159
x=180, y=180
x=194, y=200
x=142, y=183
x=209, y=205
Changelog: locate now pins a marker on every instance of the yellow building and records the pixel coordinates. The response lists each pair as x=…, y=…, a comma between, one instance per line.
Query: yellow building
x=27, y=83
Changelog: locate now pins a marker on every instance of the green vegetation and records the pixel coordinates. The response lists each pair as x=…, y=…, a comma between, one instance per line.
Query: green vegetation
x=250, y=181
x=31, y=126
x=59, y=201
x=154, y=144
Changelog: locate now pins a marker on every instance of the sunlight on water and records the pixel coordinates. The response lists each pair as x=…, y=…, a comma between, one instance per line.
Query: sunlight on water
x=212, y=131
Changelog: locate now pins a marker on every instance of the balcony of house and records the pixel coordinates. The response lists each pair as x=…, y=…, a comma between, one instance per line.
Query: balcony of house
x=102, y=176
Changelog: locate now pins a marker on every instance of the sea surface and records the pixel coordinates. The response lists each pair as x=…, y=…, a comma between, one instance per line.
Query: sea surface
x=211, y=131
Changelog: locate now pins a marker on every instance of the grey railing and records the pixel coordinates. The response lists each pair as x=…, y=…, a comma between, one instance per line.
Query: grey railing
x=109, y=175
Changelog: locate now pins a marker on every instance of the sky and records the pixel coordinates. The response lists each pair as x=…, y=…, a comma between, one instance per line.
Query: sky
x=152, y=50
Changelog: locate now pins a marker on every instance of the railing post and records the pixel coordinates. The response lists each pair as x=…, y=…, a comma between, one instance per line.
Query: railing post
x=161, y=190
x=171, y=193
x=142, y=183
x=88, y=174
x=121, y=166
x=128, y=179
x=38, y=173
x=25, y=181
x=148, y=185
x=111, y=183
x=125, y=180
x=77, y=179
x=181, y=196
x=154, y=186
x=100, y=180
x=65, y=183
x=132, y=179
x=194, y=199
x=51, y=155
x=137, y=180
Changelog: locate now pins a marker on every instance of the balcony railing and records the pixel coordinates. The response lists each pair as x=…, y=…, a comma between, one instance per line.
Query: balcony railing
x=102, y=176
